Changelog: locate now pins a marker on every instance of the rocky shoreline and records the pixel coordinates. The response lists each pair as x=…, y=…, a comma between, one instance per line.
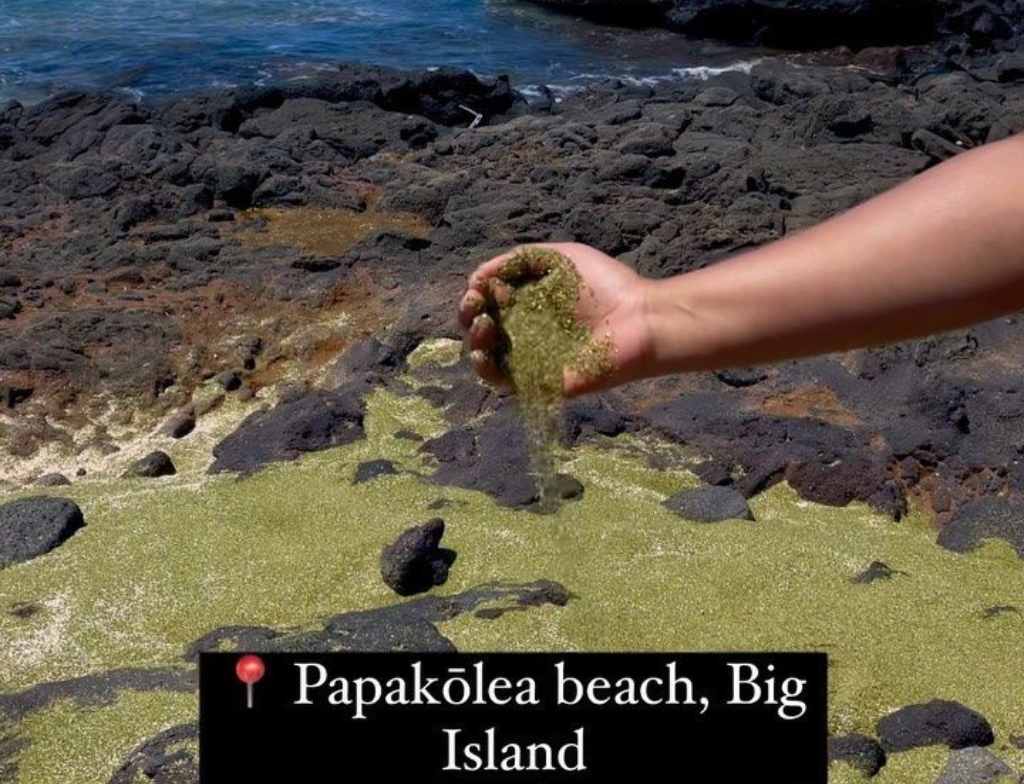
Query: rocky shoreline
x=237, y=242
x=235, y=278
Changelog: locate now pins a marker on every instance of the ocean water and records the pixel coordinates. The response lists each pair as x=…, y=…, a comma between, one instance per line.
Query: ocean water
x=160, y=47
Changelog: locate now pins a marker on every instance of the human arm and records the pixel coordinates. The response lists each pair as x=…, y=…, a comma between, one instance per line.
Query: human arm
x=938, y=252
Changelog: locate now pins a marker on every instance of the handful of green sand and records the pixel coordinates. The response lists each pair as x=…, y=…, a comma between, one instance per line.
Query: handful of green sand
x=539, y=336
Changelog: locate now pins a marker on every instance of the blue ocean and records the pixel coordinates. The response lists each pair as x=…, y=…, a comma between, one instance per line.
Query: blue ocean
x=159, y=47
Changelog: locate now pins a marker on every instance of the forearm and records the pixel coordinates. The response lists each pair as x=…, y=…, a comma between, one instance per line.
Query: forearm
x=941, y=251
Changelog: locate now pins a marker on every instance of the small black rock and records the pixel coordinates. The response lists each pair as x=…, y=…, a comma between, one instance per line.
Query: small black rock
x=229, y=380
x=152, y=465
x=371, y=469
x=180, y=425
x=13, y=396
x=408, y=435
x=932, y=723
x=414, y=563
x=741, y=377
x=9, y=307
x=860, y=751
x=53, y=480
x=710, y=504
x=30, y=527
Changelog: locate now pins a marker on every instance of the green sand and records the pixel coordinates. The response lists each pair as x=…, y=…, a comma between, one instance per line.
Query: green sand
x=162, y=562
x=101, y=738
x=539, y=337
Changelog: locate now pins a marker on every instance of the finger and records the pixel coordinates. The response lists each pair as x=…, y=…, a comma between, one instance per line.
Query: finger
x=483, y=334
x=481, y=277
x=485, y=367
x=500, y=293
x=472, y=305
x=526, y=264
x=575, y=384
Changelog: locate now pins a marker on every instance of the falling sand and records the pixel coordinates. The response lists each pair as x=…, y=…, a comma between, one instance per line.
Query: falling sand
x=539, y=337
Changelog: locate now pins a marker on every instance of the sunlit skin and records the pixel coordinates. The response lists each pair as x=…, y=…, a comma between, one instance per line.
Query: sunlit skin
x=938, y=252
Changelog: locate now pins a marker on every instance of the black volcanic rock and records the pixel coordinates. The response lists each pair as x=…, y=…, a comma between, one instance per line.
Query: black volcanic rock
x=156, y=463
x=491, y=457
x=806, y=24
x=371, y=469
x=169, y=757
x=414, y=562
x=974, y=765
x=317, y=420
x=710, y=504
x=860, y=751
x=180, y=424
x=936, y=722
x=991, y=517
x=30, y=527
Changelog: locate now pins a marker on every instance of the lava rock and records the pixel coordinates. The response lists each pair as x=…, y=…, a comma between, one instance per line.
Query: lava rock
x=741, y=377
x=371, y=469
x=9, y=307
x=991, y=517
x=30, y=527
x=229, y=380
x=710, y=504
x=490, y=457
x=803, y=24
x=593, y=416
x=933, y=145
x=314, y=421
x=973, y=765
x=860, y=751
x=368, y=357
x=414, y=563
x=52, y=480
x=156, y=463
x=11, y=396
x=180, y=425
x=932, y=723
x=170, y=757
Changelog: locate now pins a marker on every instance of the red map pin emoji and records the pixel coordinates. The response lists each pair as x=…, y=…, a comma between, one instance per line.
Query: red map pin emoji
x=249, y=669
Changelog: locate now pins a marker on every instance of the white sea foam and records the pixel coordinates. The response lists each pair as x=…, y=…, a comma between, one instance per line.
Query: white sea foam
x=701, y=72
x=705, y=72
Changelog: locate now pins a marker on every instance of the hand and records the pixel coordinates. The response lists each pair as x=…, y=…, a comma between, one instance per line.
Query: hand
x=612, y=304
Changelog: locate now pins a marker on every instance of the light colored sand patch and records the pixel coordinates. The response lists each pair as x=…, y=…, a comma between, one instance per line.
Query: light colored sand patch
x=47, y=639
